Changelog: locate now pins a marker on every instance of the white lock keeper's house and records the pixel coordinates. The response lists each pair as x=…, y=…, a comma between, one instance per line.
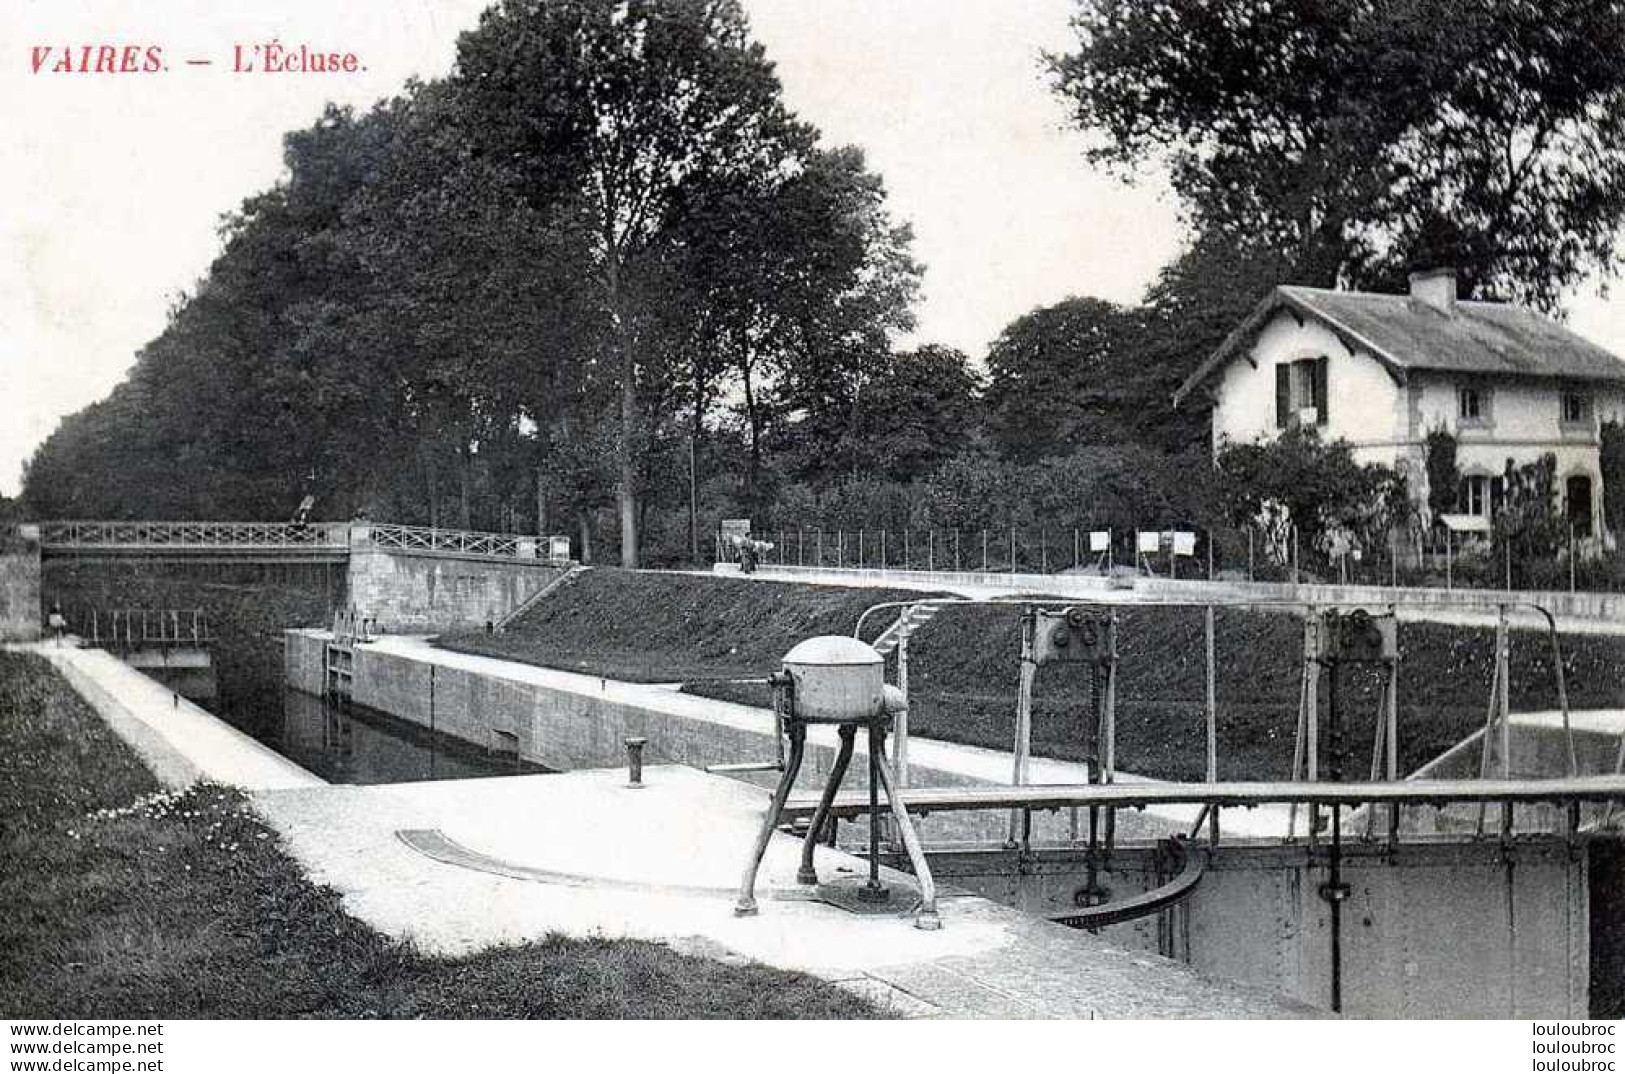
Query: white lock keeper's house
x=1380, y=371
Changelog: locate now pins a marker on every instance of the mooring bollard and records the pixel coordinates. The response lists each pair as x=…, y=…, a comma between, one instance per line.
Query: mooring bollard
x=634, y=762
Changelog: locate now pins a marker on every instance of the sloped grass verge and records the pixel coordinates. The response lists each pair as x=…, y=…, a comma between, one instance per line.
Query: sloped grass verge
x=118, y=900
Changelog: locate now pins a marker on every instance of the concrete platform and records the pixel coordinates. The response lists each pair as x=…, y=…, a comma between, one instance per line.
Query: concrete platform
x=583, y=855
x=180, y=742
x=662, y=863
x=957, y=762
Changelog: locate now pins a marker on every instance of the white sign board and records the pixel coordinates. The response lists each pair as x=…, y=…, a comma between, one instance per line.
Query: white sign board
x=1149, y=541
x=1100, y=540
x=1184, y=543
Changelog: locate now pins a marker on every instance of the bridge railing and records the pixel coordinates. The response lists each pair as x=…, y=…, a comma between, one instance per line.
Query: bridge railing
x=128, y=628
x=456, y=542
x=194, y=535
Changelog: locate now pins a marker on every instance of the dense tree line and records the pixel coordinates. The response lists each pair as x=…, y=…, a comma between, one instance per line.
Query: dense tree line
x=601, y=280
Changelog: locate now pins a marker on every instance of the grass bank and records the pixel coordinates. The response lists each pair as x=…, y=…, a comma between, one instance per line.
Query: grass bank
x=122, y=901
x=646, y=626
x=962, y=668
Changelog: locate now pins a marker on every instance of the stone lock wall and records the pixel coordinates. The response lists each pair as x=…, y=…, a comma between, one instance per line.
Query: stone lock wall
x=426, y=593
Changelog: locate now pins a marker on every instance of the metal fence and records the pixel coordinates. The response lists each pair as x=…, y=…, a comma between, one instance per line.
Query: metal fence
x=457, y=542
x=193, y=535
x=1395, y=558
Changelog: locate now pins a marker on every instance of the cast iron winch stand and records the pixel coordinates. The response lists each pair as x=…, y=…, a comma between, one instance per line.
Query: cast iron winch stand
x=878, y=722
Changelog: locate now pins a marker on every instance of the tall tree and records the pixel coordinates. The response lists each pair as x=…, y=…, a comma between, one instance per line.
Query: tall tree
x=1052, y=378
x=1360, y=139
x=610, y=109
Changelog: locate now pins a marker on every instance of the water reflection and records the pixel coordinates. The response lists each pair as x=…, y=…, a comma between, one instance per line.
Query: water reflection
x=349, y=744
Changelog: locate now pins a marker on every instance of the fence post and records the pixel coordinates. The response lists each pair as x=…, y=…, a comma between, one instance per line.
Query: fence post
x=1249, y=553
x=908, y=563
x=1077, y=548
x=1210, y=555
x=956, y=549
x=1043, y=550
x=1447, y=559
x=882, y=548
x=1571, y=557
x=840, y=548
x=931, y=550
x=984, y=551
x=1012, y=548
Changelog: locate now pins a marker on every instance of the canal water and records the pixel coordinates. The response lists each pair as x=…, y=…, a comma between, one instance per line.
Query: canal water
x=345, y=743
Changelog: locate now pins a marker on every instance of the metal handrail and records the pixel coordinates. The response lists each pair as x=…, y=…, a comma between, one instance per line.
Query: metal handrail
x=93, y=534
x=434, y=539
x=1561, y=790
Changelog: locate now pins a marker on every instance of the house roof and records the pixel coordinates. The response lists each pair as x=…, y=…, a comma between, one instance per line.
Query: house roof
x=1404, y=333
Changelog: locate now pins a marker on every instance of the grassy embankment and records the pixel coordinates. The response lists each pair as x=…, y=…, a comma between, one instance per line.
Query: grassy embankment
x=118, y=901
x=649, y=627
x=962, y=669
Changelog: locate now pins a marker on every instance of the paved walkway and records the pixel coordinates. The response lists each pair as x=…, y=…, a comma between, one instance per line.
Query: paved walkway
x=1092, y=588
x=959, y=762
x=662, y=863
x=658, y=863
x=180, y=742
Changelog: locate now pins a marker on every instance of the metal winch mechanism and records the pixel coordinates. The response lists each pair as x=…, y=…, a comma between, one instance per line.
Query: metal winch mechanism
x=840, y=681
x=1074, y=636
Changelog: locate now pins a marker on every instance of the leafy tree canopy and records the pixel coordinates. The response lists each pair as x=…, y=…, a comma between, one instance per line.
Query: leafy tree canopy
x=1362, y=139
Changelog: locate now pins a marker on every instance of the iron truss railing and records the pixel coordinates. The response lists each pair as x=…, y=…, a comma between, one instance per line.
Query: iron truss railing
x=455, y=542
x=198, y=536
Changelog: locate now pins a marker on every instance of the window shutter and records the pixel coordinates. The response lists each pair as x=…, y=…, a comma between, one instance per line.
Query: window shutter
x=1283, y=395
x=1320, y=390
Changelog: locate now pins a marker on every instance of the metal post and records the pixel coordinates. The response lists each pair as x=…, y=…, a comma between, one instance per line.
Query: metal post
x=1503, y=648
x=1043, y=550
x=634, y=762
x=840, y=548
x=1077, y=548
x=1311, y=737
x=1249, y=553
x=1571, y=557
x=801, y=547
x=984, y=551
x=908, y=560
x=1012, y=548
x=1294, y=555
x=882, y=549
x=1024, y=717
x=900, y=719
x=1210, y=555
x=931, y=550
x=1447, y=558
x=874, y=890
x=1212, y=700
x=860, y=550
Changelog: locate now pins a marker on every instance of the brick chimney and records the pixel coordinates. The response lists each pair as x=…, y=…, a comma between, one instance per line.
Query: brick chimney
x=1435, y=287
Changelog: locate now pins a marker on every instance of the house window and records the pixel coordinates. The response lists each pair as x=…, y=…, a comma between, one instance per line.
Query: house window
x=1576, y=408
x=1300, y=393
x=1472, y=405
x=1577, y=501
x=1473, y=497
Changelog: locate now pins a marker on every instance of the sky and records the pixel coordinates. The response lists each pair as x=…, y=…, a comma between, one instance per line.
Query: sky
x=114, y=185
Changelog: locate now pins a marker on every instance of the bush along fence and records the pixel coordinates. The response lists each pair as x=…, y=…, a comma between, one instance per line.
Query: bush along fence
x=1410, y=558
